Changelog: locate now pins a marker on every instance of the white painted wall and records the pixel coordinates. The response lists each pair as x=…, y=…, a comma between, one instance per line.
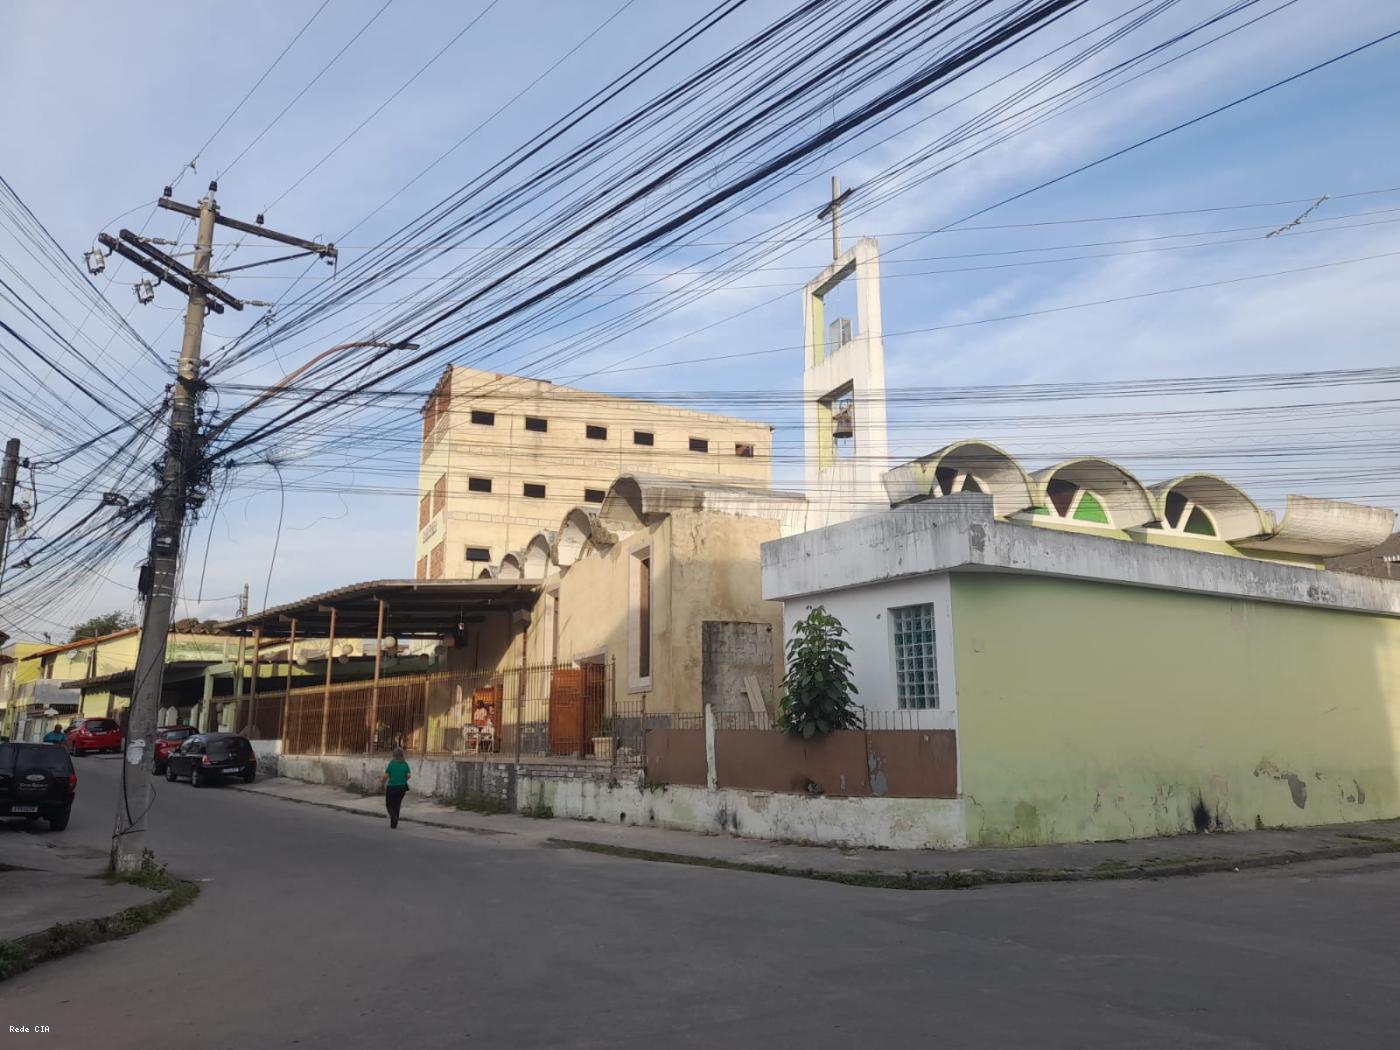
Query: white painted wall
x=864, y=612
x=885, y=823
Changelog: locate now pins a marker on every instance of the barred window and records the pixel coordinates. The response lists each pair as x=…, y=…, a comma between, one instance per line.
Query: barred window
x=915, y=661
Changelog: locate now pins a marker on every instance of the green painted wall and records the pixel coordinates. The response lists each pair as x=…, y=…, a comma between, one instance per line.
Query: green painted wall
x=1090, y=711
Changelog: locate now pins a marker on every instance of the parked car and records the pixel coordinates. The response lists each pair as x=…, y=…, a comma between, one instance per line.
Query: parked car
x=168, y=740
x=206, y=758
x=93, y=734
x=37, y=780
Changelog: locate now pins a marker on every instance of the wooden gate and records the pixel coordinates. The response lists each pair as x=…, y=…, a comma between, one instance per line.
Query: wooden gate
x=577, y=708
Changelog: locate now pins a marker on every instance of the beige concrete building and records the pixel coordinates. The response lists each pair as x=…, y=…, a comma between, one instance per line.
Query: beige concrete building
x=505, y=457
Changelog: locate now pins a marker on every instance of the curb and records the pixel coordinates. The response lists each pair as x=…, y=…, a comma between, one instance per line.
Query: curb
x=953, y=879
x=373, y=816
x=65, y=938
x=971, y=878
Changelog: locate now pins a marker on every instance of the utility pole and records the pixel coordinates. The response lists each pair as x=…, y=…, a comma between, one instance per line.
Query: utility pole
x=183, y=460
x=238, y=673
x=8, y=474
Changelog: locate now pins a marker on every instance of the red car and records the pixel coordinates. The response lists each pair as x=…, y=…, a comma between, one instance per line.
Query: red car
x=93, y=734
x=169, y=739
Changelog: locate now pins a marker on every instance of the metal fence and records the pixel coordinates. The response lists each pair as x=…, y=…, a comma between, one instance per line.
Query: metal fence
x=559, y=710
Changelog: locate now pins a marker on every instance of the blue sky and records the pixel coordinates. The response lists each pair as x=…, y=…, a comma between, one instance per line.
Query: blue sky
x=112, y=100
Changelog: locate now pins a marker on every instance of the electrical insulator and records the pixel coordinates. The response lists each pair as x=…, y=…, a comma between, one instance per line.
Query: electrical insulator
x=96, y=261
x=145, y=291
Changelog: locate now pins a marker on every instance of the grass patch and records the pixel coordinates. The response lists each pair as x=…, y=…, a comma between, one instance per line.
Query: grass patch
x=475, y=802
x=24, y=953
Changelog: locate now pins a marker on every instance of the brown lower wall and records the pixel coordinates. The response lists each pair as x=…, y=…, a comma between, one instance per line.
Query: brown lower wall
x=895, y=763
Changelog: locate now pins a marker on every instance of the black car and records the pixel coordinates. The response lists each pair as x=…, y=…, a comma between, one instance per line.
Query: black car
x=209, y=757
x=37, y=780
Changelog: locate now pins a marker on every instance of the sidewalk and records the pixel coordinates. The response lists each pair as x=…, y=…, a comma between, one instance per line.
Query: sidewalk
x=901, y=869
x=46, y=883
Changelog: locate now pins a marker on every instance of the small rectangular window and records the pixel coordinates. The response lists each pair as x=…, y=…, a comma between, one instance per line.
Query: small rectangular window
x=743, y=450
x=483, y=419
x=643, y=437
x=699, y=445
x=593, y=495
x=536, y=424
x=595, y=432
x=479, y=484
x=915, y=657
x=534, y=491
x=478, y=554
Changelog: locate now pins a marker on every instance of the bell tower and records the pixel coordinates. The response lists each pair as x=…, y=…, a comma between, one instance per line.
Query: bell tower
x=846, y=441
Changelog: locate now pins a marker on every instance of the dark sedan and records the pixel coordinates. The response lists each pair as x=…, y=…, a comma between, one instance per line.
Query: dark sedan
x=208, y=758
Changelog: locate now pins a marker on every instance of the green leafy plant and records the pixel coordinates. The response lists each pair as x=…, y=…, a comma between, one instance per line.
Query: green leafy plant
x=817, y=690
x=100, y=626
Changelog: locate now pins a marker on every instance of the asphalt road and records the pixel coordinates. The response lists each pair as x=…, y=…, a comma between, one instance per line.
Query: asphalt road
x=323, y=929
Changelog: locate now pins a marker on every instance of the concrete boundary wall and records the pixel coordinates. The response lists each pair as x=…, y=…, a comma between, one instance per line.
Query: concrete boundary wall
x=582, y=792
x=441, y=778
x=885, y=823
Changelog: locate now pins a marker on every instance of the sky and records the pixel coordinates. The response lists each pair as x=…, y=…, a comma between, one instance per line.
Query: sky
x=109, y=103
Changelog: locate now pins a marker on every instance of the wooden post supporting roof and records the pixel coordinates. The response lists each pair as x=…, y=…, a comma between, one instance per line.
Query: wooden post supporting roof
x=287, y=690
x=252, y=711
x=374, y=689
x=330, y=663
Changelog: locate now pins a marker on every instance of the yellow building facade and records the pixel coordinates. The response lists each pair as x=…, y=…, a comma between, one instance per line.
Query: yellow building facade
x=505, y=457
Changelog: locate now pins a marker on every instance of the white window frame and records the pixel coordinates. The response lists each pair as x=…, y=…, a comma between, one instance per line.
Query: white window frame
x=637, y=682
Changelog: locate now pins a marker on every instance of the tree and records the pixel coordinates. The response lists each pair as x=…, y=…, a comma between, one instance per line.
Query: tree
x=108, y=623
x=817, y=689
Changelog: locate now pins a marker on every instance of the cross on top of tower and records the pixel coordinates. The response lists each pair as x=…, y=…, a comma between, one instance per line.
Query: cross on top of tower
x=834, y=210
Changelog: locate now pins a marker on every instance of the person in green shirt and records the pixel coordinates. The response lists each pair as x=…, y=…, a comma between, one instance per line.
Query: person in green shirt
x=395, y=780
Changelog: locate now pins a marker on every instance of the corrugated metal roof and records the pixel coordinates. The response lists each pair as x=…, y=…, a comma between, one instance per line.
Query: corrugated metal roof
x=422, y=607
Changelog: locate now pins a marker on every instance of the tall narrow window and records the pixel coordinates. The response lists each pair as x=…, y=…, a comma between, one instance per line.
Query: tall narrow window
x=536, y=424
x=644, y=616
x=915, y=659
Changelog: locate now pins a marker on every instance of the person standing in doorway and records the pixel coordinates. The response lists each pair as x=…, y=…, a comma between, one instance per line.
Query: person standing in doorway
x=396, y=776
